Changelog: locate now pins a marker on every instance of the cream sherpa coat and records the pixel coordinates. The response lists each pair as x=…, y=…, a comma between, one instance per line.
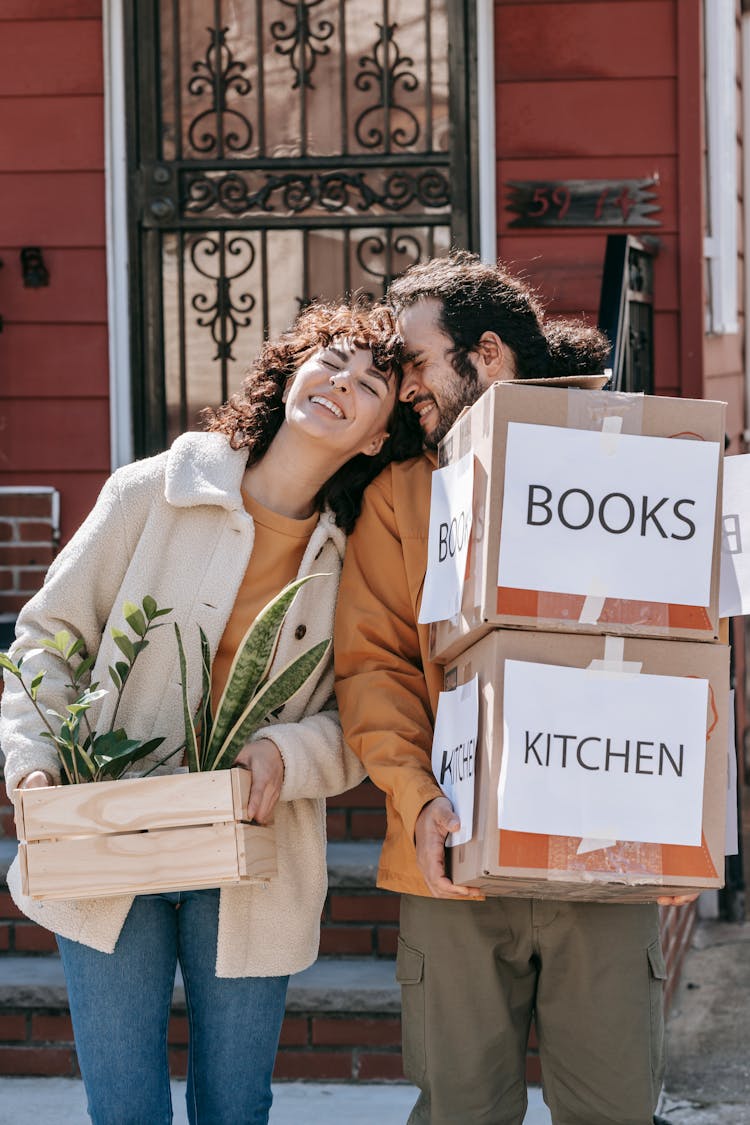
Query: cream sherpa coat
x=174, y=526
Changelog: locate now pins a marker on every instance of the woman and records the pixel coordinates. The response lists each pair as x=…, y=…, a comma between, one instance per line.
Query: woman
x=214, y=528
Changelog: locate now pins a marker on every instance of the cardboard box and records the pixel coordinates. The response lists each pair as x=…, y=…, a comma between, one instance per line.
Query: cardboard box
x=486, y=604
x=141, y=836
x=533, y=864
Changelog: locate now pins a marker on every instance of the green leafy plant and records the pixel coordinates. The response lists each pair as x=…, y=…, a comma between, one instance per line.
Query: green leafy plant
x=86, y=754
x=249, y=698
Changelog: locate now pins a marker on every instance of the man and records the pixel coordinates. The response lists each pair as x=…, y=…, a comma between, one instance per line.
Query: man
x=473, y=971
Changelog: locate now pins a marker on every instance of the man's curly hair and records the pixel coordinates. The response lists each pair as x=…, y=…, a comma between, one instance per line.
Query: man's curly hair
x=477, y=297
x=252, y=417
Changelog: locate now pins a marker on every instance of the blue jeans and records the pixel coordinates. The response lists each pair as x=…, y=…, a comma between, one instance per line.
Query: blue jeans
x=120, y=1004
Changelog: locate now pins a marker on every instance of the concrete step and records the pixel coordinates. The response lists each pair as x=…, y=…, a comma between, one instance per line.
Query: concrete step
x=361, y=985
x=61, y=1101
x=353, y=863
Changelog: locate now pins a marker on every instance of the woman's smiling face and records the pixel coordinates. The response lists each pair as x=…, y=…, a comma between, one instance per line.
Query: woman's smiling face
x=342, y=399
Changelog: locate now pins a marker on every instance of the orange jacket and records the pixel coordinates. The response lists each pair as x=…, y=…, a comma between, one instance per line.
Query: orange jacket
x=387, y=688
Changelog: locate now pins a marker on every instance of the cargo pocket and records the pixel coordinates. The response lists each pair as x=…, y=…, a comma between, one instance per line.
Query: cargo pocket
x=657, y=978
x=410, y=975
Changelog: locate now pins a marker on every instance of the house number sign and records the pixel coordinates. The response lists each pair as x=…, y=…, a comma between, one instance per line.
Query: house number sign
x=583, y=203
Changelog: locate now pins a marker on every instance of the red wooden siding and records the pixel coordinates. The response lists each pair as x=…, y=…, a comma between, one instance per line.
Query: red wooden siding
x=528, y=45
x=689, y=15
x=54, y=393
x=589, y=90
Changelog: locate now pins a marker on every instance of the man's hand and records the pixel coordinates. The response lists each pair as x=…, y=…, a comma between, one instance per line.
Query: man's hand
x=676, y=900
x=434, y=823
x=264, y=760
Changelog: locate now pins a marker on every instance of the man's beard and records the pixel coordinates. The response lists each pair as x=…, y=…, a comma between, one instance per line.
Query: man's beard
x=466, y=393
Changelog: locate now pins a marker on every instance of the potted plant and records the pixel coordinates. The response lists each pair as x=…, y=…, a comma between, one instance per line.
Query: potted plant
x=101, y=833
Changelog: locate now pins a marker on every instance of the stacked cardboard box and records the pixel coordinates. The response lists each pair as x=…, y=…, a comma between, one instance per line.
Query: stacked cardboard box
x=544, y=463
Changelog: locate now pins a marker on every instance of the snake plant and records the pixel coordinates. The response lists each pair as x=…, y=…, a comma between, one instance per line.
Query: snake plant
x=251, y=697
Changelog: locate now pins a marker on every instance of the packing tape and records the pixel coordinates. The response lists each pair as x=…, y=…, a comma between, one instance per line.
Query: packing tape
x=593, y=604
x=590, y=845
x=614, y=665
x=611, y=430
x=589, y=410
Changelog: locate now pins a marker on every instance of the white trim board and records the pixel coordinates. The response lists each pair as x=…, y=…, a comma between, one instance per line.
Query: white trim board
x=720, y=246
x=486, y=130
x=116, y=208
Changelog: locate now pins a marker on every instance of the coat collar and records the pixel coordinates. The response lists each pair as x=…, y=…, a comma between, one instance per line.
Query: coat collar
x=204, y=469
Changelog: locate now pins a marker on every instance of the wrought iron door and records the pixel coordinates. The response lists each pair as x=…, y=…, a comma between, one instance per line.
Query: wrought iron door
x=281, y=150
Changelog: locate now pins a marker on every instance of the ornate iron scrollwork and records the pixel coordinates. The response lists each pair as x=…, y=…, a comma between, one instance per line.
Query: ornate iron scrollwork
x=304, y=44
x=281, y=147
x=387, y=68
x=406, y=247
x=223, y=314
x=329, y=192
x=219, y=72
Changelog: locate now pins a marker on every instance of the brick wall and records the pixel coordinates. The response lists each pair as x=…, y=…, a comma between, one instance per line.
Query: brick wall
x=360, y=921
x=37, y=1043
x=360, y=924
x=358, y=814
x=40, y=1042
x=29, y=537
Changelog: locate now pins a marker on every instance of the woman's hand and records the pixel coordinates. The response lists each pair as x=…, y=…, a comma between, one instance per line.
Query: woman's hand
x=264, y=760
x=37, y=779
x=677, y=900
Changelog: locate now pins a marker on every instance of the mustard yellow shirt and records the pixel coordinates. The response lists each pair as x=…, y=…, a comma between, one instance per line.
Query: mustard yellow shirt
x=280, y=543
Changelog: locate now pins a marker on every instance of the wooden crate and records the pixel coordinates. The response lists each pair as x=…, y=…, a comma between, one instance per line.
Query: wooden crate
x=141, y=835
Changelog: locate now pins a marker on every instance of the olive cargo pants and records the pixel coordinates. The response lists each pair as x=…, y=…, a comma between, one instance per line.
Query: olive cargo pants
x=472, y=975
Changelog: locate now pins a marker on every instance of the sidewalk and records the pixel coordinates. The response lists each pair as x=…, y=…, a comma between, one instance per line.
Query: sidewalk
x=708, y=1068
x=707, y=1082
x=61, y=1101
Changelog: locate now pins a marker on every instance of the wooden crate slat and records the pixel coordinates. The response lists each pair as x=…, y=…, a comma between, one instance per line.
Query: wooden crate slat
x=131, y=804
x=148, y=862
x=256, y=851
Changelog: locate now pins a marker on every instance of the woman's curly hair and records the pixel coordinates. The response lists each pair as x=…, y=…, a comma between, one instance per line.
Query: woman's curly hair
x=251, y=418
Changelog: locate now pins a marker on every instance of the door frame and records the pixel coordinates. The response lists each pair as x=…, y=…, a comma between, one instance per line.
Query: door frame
x=117, y=255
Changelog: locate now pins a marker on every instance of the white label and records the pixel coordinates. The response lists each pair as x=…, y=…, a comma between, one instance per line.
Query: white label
x=734, y=588
x=589, y=754
x=448, y=545
x=623, y=516
x=454, y=753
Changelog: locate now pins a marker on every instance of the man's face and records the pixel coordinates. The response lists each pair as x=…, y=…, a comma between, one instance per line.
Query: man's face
x=431, y=385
